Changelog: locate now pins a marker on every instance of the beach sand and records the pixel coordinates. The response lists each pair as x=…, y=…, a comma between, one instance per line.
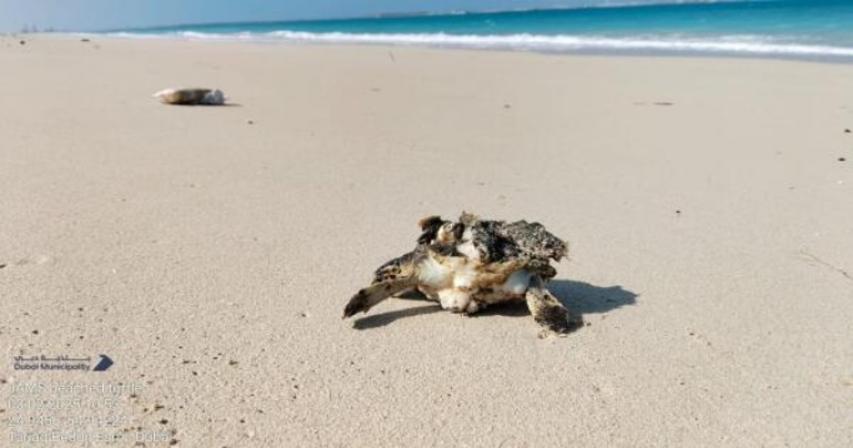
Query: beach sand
x=209, y=251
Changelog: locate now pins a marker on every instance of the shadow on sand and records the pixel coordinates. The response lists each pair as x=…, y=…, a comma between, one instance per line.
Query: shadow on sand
x=579, y=297
x=380, y=320
x=584, y=298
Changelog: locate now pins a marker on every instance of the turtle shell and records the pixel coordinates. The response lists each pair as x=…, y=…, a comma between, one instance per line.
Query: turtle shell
x=500, y=241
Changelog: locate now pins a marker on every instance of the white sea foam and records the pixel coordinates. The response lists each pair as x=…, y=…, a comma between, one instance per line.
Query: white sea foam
x=747, y=45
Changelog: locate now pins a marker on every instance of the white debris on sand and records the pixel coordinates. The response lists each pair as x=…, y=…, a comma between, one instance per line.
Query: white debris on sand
x=194, y=96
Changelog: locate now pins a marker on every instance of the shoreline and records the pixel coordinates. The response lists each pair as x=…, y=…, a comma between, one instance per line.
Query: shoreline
x=384, y=42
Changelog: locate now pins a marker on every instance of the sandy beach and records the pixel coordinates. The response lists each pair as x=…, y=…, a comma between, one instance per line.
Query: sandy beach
x=209, y=251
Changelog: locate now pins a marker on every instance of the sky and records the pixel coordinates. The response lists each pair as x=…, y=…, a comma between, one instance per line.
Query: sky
x=93, y=15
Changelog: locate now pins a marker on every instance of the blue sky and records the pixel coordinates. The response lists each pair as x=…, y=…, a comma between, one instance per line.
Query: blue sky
x=82, y=15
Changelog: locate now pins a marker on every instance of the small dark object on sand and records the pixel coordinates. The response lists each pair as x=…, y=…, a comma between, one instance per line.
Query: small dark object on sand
x=23, y=42
x=507, y=106
x=847, y=131
x=250, y=122
x=84, y=40
x=3, y=265
x=664, y=103
x=191, y=97
x=678, y=212
x=841, y=159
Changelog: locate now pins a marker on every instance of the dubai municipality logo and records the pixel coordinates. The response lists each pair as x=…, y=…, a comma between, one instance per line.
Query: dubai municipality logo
x=63, y=363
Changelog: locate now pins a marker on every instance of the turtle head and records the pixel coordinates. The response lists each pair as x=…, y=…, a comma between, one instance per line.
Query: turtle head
x=435, y=230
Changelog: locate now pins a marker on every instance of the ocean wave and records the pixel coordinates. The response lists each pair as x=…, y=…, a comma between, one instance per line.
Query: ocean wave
x=747, y=45
x=581, y=6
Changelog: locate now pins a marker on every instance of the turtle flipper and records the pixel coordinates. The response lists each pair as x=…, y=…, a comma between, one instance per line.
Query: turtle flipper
x=547, y=310
x=367, y=297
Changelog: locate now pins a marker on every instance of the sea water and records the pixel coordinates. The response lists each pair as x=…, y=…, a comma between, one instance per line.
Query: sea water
x=815, y=29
